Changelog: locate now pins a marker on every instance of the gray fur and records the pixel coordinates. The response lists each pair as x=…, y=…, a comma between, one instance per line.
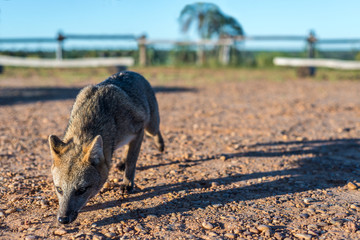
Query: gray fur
x=105, y=116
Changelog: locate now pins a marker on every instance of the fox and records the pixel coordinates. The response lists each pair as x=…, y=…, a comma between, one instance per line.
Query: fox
x=114, y=113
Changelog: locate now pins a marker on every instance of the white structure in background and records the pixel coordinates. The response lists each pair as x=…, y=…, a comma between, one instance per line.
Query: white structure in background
x=318, y=62
x=65, y=63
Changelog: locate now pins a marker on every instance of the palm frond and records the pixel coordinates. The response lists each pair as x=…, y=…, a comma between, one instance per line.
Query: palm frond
x=210, y=20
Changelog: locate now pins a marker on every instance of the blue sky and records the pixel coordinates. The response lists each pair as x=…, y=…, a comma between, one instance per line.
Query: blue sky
x=159, y=18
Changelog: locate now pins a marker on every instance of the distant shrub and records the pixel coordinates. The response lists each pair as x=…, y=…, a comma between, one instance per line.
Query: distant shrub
x=357, y=56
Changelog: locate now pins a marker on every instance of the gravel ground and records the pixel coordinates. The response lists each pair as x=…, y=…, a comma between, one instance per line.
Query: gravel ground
x=244, y=160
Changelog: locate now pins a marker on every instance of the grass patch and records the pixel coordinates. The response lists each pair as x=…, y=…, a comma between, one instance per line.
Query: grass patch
x=189, y=76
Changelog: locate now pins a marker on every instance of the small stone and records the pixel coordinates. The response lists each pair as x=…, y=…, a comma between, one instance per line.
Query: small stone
x=310, y=210
x=217, y=205
x=303, y=236
x=304, y=215
x=10, y=210
x=267, y=233
x=80, y=234
x=112, y=229
x=60, y=232
x=312, y=233
x=329, y=194
x=30, y=237
x=254, y=230
x=354, y=206
x=278, y=236
x=341, y=215
x=106, y=185
x=336, y=222
x=222, y=158
x=351, y=226
x=247, y=233
x=230, y=235
x=322, y=224
x=44, y=202
x=139, y=228
x=230, y=225
x=212, y=234
x=110, y=234
x=97, y=237
x=263, y=228
x=352, y=186
x=214, y=184
x=312, y=226
x=2, y=214
x=308, y=200
x=15, y=199
x=124, y=237
x=207, y=225
x=32, y=229
x=182, y=192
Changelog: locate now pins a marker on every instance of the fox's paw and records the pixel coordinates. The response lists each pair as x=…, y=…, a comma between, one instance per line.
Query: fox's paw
x=125, y=188
x=160, y=144
x=161, y=147
x=120, y=166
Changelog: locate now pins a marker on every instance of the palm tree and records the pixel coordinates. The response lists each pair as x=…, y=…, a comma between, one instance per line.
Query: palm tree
x=211, y=21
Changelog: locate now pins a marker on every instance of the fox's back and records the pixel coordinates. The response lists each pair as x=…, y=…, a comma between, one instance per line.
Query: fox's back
x=123, y=97
x=133, y=84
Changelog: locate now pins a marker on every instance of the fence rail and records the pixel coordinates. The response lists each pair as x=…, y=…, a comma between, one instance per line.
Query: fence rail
x=66, y=63
x=100, y=37
x=28, y=40
x=327, y=63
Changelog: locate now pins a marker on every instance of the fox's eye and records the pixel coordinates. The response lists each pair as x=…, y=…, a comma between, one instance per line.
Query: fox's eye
x=81, y=191
x=59, y=190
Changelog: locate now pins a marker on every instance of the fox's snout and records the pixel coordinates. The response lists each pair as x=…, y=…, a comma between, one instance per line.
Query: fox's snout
x=67, y=219
x=67, y=212
x=69, y=207
x=64, y=220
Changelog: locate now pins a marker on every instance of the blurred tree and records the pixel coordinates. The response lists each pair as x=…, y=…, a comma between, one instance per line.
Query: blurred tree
x=211, y=21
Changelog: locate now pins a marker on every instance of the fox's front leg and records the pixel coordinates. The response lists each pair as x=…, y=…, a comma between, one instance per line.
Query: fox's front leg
x=132, y=155
x=121, y=165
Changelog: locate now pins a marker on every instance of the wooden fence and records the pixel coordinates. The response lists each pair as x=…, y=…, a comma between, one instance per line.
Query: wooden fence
x=143, y=43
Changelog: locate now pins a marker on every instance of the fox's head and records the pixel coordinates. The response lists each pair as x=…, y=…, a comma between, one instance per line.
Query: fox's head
x=78, y=173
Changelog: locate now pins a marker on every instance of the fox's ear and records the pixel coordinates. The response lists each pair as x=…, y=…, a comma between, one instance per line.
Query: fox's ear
x=56, y=145
x=95, y=152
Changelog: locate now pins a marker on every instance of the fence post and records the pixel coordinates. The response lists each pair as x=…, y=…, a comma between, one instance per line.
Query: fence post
x=142, y=50
x=311, y=51
x=224, y=53
x=200, y=54
x=59, y=50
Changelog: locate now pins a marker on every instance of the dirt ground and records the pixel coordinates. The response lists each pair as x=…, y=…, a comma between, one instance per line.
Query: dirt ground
x=253, y=159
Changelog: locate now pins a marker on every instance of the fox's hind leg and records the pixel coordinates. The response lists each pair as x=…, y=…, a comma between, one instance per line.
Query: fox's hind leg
x=158, y=139
x=153, y=130
x=132, y=154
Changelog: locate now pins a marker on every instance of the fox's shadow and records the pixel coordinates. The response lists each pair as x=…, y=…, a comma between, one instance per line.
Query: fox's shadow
x=331, y=163
x=10, y=96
